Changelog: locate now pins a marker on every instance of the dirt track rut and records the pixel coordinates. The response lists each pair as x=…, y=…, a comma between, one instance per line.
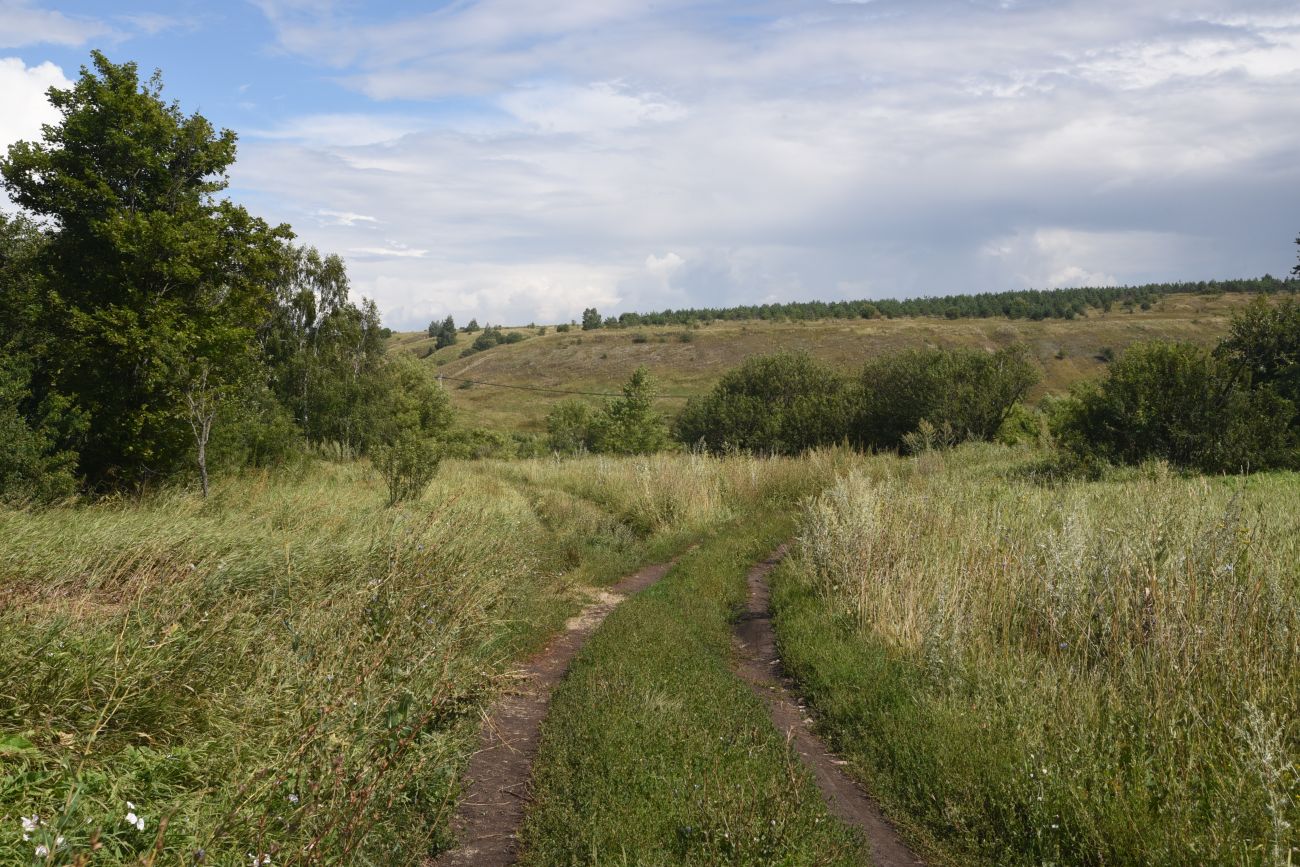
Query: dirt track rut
x=491, y=811
x=760, y=666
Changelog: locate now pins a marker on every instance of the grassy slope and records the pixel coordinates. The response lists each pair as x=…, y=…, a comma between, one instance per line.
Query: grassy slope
x=654, y=753
x=290, y=667
x=1094, y=673
x=602, y=360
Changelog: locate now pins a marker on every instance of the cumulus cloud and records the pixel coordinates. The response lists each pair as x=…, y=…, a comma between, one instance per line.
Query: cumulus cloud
x=803, y=150
x=23, y=103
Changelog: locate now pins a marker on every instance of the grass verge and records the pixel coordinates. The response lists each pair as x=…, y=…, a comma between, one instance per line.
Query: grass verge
x=655, y=753
x=1077, y=674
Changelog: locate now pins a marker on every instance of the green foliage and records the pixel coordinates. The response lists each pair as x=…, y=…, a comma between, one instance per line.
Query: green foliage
x=472, y=326
x=562, y=328
x=965, y=391
x=407, y=464
x=492, y=336
x=1179, y=403
x=774, y=404
x=630, y=425
x=591, y=319
x=443, y=333
x=1022, y=426
x=146, y=277
x=32, y=466
x=569, y=427
x=1263, y=345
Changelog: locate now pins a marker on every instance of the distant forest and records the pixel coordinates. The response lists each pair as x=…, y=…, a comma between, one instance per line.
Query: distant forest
x=1025, y=304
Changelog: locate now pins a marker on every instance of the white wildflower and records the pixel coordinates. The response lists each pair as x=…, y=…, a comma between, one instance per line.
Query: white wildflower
x=133, y=819
x=42, y=851
x=30, y=824
x=293, y=797
x=259, y=860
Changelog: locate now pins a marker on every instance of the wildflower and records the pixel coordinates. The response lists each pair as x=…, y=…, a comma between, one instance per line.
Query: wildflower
x=42, y=851
x=133, y=819
x=259, y=860
x=30, y=824
x=58, y=843
x=293, y=797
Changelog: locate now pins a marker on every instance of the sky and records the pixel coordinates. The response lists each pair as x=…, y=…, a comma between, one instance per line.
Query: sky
x=520, y=160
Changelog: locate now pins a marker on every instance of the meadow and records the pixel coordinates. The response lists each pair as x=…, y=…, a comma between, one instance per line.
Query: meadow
x=290, y=668
x=1038, y=671
x=688, y=361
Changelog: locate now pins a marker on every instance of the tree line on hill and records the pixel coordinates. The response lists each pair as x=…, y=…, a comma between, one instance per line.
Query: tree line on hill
x=1034, y=304
x=149, y=329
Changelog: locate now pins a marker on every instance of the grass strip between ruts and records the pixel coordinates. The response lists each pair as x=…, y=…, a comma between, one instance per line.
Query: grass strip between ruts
x=655, y=753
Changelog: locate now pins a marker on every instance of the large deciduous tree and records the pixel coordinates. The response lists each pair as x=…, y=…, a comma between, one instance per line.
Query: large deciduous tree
x=149, y=286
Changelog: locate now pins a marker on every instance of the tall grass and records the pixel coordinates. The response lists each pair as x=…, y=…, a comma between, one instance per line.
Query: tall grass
x=291, y=669
x=1089, y=673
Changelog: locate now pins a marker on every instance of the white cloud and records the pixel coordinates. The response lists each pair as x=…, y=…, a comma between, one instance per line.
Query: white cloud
x=597, y=107
x=22, y=23
x=23, y=102
x=341, y=130
x=343, y=218
x=883, y=148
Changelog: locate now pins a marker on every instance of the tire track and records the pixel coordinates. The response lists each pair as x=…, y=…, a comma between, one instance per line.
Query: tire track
x=760, y=666
x=491, y=810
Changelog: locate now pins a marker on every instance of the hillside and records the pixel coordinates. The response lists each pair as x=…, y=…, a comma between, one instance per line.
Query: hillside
x=687, y=361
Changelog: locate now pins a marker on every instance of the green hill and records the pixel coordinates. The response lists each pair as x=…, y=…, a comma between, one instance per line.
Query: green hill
x=688, y=360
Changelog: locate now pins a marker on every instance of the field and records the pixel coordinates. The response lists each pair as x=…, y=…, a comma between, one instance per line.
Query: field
x=291, y=668
x=1024, y=670
x=689, y=361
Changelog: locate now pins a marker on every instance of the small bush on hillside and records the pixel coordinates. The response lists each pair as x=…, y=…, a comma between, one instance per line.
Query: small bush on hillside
x=568, y=427
x=407, y=465
x=630, y=425
x=1263, y=346
x=967, y=390
x=775, y=404
x=1180, y=403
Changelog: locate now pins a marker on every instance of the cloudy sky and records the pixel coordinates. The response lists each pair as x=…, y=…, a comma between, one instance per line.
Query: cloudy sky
x=518, y=160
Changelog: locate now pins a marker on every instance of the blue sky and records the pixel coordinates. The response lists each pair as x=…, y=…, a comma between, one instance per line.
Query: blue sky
x=519, y=160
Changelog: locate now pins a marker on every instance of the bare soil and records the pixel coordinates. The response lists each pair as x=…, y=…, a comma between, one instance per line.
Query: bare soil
x=760, y=666
x=491, y=810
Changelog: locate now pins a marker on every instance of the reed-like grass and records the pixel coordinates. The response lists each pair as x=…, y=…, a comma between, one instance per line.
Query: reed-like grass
x=1080, y=673
x=290, y=668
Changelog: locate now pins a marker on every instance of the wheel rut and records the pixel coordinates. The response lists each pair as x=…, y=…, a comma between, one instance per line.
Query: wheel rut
x=760, y=666
x=491, y=810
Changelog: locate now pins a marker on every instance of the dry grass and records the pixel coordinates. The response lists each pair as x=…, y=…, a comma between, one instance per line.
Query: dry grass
x=1086, y=673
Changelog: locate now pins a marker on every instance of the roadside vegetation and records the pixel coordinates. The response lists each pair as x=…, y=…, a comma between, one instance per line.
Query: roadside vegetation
x=1074, y=673
x=290, y=668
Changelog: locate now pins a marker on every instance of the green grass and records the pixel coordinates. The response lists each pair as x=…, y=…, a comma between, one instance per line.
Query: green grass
x=1074, y=674
x=655, y=753
x=290, y=667
x=602, y=360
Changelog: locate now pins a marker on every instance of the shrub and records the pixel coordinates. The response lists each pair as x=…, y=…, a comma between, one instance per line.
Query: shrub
x=407, y=465
x=1263, y=346
x=1179, y=403
x=775, y=404
x=965, y=390
x=568, y=427
x=629, y=425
